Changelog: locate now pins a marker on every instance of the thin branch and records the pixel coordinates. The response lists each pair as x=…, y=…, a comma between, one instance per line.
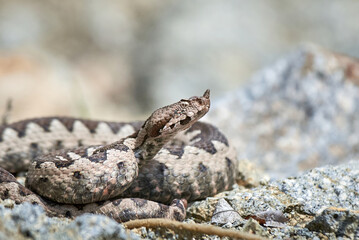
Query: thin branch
x=190, y=227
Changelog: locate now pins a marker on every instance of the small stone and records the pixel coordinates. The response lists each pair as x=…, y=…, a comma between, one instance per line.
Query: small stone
x=252, y=226
x=341, y=222
x=273, y=218
x=224, y=213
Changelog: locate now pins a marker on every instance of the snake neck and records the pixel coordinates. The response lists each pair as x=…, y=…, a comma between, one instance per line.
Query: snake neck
x=150, y=147
x=166, y=122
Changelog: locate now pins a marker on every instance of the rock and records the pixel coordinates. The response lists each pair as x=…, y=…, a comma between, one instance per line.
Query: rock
x=252, y=226
x=202, y=211
x=342, y=222
x=26, y=221
x=224, y=213
x=271, y=218
x=91, y=226
x=29, y=221
x=297, y=114
x=336, y=186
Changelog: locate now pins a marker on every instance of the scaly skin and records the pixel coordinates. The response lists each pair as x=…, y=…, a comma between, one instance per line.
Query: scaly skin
x=150, y=163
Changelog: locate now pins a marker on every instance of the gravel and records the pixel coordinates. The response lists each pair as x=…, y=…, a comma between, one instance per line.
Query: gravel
x=320, y=202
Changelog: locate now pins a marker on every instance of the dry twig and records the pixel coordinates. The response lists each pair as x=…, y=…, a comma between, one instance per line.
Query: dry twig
x=190, y=227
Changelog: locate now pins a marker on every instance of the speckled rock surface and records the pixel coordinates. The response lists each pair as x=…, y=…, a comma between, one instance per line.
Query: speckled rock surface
x=27, y=221
x=341, y=222
x=307, y=201
x=324, y=187
x=298, y=114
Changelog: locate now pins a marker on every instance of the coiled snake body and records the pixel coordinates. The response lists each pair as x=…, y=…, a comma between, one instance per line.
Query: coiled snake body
x=76, y=166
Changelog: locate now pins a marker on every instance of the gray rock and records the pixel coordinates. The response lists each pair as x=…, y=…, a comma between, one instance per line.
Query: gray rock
x=224, y=213
x=300, y=113
x=336, y=186
x=26, y=221
x=90, y=226
x=272, y=218
x=342, y=222
x=253, y=227
x=29, y=221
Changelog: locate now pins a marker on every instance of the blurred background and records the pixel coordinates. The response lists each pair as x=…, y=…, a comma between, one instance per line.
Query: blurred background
x=119, y=60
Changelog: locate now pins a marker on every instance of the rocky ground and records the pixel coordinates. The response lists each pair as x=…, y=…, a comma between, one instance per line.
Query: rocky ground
x=299, y=114
x=321, y=203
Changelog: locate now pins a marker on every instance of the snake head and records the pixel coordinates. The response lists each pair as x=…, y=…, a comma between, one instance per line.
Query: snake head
x=167, y=121
x=186, y=112
x=180, y=115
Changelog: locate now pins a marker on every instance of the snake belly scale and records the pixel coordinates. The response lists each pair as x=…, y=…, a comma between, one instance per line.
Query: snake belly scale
x=123, y=170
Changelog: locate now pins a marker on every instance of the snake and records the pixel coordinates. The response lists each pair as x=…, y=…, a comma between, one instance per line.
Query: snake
x=124, y=170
